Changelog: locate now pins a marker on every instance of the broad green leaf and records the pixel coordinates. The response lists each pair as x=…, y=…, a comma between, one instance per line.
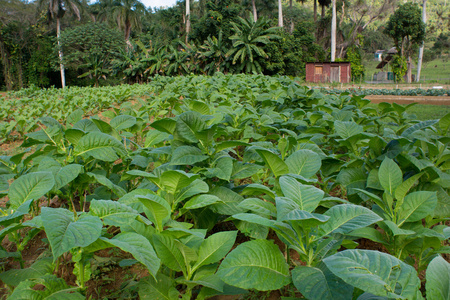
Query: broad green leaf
x=304, y=162
x=86, y=125
x=155, y=137
x=112, y=213
x=13, y=214
x=375, y=272
x=243, y=170
x=122, y=122
x=75, y=116
x=158, y=208
x=168, y=252
x=307, y=197
x=405, y=186
x=36, y=270
x=187, y=155
x=196, y=187
x=200, y=201
x=274, y=162
x=30, y=186
x=320, y=284
x=165, y=125
x=257, y=264
x=345, y=218
x=139, y=247
x=188, y=125
x=255, y=219
x=304, y=219
x=215, y=247
x=257, y=189
x=395, y=230
x=438, y=279
x=229, y=144
x=100, y=146
x=173, y=181
x=64, y=233
x=252, y=230
x=419, y=126
x=230, y=201
x=222, y=169
x=346, y=129
x=369, y=233
x=66, y=174
x=390, y=175
x=161, y=288
x=261, y=207
x=444, y=124
x=74, y=135
x=416, y=206
x=119, y=191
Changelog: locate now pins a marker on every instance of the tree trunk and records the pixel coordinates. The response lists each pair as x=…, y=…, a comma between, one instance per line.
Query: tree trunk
x=255, y=13
x=280, y=14
x=419, y=63
x=6, y=63
x=409, y=71
x=188, y=19
x=323, y=11
x=315, y=11
x=60, y=52
x=333, y=32
x=128, y=34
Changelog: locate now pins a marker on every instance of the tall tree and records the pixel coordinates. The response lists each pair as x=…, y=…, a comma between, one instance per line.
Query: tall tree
x=188, y=19
x=56, y=10
x=333, y=32
x=424, y=20
x=128, y=13
x=280, y=14
x=248, y=40
x=255, y=13
x=407, y=30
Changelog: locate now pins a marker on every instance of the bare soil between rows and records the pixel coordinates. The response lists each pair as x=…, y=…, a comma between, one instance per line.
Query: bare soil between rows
x=427, y=100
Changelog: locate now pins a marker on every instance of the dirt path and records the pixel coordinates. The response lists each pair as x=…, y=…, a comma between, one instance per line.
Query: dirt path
x=431, y=100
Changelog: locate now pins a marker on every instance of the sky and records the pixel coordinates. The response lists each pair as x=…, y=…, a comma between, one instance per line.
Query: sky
x=158, y=3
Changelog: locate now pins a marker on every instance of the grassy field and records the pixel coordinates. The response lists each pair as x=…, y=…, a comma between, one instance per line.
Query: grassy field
x=437, y=70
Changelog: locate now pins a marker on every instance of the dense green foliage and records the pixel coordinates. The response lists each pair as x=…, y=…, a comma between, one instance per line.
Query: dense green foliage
x=197, y=176
x=28, y=41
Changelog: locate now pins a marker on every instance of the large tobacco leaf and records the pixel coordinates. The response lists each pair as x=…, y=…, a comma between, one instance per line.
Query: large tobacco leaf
x=374, y=272
x=65, y=233
x=100, y=146
x=257, y=264
x=30, y=186
x=438, y=279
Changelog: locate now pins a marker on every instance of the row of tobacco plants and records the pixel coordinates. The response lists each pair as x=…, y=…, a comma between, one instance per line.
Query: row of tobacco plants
x=229, y=184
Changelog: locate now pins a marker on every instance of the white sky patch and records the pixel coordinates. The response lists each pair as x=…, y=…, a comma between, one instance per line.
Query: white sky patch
x=158, y=3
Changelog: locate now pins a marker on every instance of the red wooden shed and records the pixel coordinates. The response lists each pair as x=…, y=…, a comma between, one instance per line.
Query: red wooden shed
x=328, y=72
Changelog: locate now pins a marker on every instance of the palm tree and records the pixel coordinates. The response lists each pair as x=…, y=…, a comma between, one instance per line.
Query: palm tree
x=248, y=39
x=56, y=10
x=127, y=15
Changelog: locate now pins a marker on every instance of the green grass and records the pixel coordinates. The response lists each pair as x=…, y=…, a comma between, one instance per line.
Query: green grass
x=429, y=112
x=425, y=112
x=437, y=70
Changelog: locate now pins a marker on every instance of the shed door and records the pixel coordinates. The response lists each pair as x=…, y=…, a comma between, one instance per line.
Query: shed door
x=335, y=74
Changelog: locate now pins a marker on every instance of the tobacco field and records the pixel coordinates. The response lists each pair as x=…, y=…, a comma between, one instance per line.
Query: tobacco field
x=197, y=187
